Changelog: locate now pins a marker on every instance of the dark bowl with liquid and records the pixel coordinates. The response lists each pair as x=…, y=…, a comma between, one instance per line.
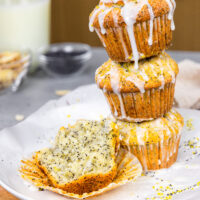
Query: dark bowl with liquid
x=64, y=59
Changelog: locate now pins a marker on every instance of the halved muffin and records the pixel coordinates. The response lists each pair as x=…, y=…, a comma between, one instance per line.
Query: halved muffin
x=154, y=143
x=133, y=29
x=83, y=158
x=141, y=94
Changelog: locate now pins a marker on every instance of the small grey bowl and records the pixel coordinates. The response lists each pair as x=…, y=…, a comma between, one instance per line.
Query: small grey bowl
x=64, y=59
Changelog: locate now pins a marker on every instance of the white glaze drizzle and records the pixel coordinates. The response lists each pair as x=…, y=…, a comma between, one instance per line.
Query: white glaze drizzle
x=115, y=84
x=136, y=120
x=137, y=82
x=101, y=18
x=115, y=110
x=123, y=44
x=144, y=75
x=172, y=7
x=162, y=79
x=129, y=12
x=92, y=18
x=114, y=80
x=123, y=112
x=150, y=41
x=140, y=133
x=121, y=36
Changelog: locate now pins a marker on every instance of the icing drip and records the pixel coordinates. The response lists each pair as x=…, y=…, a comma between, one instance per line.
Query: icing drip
x=115, y=80
x=144, y=75
x=129, y=12
x=162, y=79
x=115, y=110
x=150, y=41
x=121, y=36
x=140, y=133
x=123, y=112
x=101, y=18
x=172, y=6
x=92, y=18
x=136, y=120
x=137, y=82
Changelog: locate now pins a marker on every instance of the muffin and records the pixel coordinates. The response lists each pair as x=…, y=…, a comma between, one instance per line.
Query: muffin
x=133, y=29
x=83, y=158
x=142, y=94
x=154, y=143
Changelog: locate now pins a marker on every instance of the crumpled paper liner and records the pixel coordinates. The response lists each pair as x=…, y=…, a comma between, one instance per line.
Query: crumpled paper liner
x=187, y=93
x=128, y=170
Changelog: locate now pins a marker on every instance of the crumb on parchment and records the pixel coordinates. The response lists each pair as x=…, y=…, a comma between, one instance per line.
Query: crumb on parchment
x=61, y=92
x=189, y=125
x=19, y=117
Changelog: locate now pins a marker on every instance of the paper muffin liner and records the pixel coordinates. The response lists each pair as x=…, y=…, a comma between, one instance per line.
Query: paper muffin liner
x=138, y=107
x=118, y=46
x=154, y=156
x=128, y=169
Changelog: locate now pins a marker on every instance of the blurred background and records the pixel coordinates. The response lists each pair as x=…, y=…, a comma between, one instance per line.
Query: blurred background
x=70, y=23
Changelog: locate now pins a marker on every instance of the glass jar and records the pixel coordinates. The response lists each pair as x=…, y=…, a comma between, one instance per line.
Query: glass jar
x=25, y=24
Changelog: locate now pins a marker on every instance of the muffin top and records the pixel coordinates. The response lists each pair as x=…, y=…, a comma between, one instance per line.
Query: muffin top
x=154, y=72
x=154, y=131
x=110, y=13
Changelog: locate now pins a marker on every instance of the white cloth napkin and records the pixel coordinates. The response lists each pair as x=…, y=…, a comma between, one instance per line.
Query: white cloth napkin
x=187, y=94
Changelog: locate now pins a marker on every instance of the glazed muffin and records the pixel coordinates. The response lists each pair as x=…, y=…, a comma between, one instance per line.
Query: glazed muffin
x=154, y=143
x=133, y=29
x=142, y=94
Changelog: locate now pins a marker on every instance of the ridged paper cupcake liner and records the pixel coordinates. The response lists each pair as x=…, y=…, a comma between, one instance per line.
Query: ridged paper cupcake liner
x=138, y=107
x=153, y=156
x=118, y=46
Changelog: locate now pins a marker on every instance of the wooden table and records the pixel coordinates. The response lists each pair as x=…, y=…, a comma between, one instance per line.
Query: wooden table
x=4, y=195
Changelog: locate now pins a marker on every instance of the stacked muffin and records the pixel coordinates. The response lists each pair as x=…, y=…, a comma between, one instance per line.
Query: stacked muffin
x=138, y=80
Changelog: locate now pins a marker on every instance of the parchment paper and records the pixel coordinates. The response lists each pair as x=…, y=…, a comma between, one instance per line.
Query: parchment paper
x=88, y=102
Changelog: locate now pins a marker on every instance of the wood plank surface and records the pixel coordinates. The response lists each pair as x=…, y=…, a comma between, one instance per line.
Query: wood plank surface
x=4, y=195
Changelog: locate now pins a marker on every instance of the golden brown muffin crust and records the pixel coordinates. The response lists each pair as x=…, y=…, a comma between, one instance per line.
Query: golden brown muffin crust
x=113, y=76
x=154, y=131
x=85, y=184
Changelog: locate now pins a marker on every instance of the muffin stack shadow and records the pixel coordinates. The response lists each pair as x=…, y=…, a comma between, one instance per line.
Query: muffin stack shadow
x=138, y=80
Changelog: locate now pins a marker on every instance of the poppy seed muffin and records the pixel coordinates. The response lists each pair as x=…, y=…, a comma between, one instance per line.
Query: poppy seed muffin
x=142, y=94
x=154, y=143
x=133, y=29
x=83, y=157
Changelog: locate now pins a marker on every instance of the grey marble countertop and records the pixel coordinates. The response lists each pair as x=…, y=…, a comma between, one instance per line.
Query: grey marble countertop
x=39, y=88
